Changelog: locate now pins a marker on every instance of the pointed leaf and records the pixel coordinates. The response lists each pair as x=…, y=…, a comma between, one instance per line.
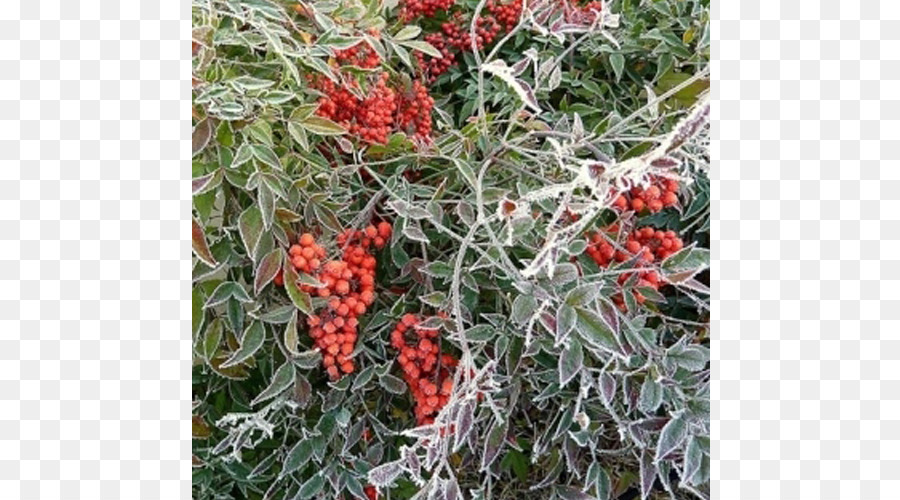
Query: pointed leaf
x=297, y=457
x=570, y=361
x=671, y=437
x=283, y=378
x=200, y=136
x=252, y=339
x=200, y=247
x=595, y=331
x=300, y=298
x=225, y=291
x=322, y=126
x=648, y=474
x=384, y=475
x=250, y=225
x=268, y=267
x=206, y=183
x=651, y=395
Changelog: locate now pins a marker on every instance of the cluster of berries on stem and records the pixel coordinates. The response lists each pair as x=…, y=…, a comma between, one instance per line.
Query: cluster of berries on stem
x=647, y=244
x=348, y=285
x=383, y=109
x=660, y=193
x=428, y=372
x=455, y=35
x=424, y=8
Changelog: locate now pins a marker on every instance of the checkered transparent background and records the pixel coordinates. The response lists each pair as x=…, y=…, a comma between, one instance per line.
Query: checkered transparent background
x=807, y=261
x=94, y=254
x=95, y=262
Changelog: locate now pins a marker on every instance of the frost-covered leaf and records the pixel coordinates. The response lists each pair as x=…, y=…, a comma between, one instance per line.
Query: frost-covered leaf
x=671, y=437
x=251, y=341
x=200, y=246
x=385, y=474
x=595, y=332
x=570, y=362
x=283, y=378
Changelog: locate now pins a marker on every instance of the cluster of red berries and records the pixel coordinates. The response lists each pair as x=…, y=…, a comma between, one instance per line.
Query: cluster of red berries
x=428, y=373
x=361, y=54
x=370, y=118
x=649, y=244
x=383, y=109
x=414, y=115
x=349, y=286
x=455, y=35
x=581, y=14
x=426, y=8
x=660, y=193
x=507, y=14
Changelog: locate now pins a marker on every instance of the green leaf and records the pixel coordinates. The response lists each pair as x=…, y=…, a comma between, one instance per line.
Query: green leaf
x=408, y=32
x=266, y=155
x=424, y=47
x=252, y=339
x=206, y=183
x=565, y=321
x=595, y=331
x=434, y=299
x=523, y=308
x=266, y=204
x=250, y=225
x=671, y=437
x=571, y=360
x=212, y=339
x=283, y=378
x=692, y=358
x=197, y=314
x=311, y=487
x=414, y=233
x=322, y=126
x=268, y=267
x=300, y=298
x=199, y=245
x=583, y=295
x=297, y=457
x=224, y=291
x=261, y=131
x=243, y=155
x=200, y=136
x=392, y=384
x=651, y=395
x=291, y=338
x=617, y=61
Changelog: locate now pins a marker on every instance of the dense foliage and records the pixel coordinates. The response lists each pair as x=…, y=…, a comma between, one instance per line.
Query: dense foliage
x=450, y=249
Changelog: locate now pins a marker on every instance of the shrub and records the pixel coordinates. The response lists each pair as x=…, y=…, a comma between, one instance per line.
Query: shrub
x=450, y=249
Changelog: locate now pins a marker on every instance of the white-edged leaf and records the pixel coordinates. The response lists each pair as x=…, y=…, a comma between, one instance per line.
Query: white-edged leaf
x=283, y=378
x=297, y=457
x=571, y=360
x=200, y=246
x=408, y=32
x=225, y=291
x=671, y=437
x=424, y=47
x=268, y=267
x=252, y=339
x=651, y=395
x=595, y=331
x=385, y=474
x=250, y=225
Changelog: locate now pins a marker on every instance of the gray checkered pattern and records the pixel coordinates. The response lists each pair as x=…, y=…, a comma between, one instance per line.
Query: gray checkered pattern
x=94, y=135
x=94, y=213
x=808, y=191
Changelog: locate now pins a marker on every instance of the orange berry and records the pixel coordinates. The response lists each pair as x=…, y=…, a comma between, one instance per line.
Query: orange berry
x=347, y=367
x=371, y=232
x=384, y=230
x=307, y=239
